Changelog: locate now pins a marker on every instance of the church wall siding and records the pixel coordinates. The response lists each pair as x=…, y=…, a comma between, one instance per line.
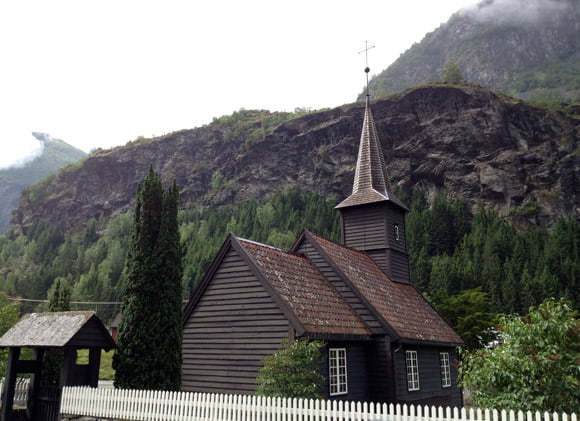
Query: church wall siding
x=357, y=357
x=399, y=264
x=431, y=391
x=396, y=216
x=365, y=228
x=232, y=328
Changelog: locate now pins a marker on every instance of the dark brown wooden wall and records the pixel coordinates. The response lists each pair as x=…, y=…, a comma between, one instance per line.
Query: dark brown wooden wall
x=357, y=368
x=431, y=391
x=399, y=264
x=91, y=335
x=233, y=327
x=372, y=229
x=364, y=228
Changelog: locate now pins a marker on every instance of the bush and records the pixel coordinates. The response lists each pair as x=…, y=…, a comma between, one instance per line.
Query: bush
x=293, y=372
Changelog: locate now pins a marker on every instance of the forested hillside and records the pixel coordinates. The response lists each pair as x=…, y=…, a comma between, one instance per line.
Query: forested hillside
x=452, y=250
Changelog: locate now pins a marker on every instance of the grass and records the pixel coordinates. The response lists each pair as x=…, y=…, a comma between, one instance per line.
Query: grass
x=106, y=371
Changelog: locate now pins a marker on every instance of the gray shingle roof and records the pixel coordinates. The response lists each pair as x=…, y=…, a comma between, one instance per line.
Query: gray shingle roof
x=370, y=179
x=57, y=329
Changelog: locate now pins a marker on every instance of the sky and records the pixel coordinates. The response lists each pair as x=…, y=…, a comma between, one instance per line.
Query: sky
x=102, y=73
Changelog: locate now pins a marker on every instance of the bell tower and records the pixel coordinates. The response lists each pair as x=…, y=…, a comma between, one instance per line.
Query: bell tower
x=373, y=218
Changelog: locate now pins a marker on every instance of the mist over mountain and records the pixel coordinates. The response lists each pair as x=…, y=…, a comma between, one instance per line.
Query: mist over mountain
x=51, y=155
x=527, y=48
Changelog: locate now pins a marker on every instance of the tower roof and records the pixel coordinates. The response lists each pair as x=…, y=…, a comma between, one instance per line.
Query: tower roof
x=370, y=179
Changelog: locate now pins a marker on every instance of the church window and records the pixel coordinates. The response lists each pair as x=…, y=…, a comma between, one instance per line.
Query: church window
x=337, y=367
x=397, y=234
x=412, y=370
x=445, y=369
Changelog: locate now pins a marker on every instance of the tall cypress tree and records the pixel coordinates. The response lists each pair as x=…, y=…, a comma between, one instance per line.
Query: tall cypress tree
x=149, y=342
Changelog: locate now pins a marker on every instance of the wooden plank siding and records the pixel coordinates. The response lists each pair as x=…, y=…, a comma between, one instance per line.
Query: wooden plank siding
x=382, y=375
x=92, y=335
x=364, y=228
x=372, y=229
x=396, y=216
x=235, y=324
x=357, y=368
x=347, y=294
x=399, y=265
x=431, y=391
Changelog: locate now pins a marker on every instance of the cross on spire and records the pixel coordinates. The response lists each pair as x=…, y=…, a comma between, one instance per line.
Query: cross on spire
x=367, y=69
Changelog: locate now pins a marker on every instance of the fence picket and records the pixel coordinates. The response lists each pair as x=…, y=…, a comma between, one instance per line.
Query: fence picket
x=181, y=406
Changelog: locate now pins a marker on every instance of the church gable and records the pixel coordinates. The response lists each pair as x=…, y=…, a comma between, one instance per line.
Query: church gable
x=234, y=306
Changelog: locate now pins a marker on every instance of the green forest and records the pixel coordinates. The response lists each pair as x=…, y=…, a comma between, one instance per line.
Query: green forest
x=480, y=259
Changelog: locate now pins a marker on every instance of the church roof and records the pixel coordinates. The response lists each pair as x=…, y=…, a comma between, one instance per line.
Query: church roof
x=316, y=305
x=401, y=306
x=370, y=179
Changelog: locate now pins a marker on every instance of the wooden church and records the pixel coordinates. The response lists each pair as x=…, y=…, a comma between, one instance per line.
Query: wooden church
x=384, y=341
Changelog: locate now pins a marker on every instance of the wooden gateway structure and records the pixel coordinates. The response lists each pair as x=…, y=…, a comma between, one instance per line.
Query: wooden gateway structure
x=385, y=342
x=67, y=331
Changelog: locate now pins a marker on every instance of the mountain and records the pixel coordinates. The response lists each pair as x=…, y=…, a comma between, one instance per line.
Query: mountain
x=466, y=141
x=527, y=48
x=55, y=154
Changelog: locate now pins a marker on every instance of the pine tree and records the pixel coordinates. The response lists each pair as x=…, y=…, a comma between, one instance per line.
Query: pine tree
x=149, y=342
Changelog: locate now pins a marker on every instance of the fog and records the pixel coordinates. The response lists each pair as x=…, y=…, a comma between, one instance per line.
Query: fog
x=23, y=149
x=518, y=12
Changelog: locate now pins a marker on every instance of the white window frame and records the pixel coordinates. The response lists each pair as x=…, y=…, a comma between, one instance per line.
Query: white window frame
x=412, y=363
x=397, y=233
x=445, y=369
x=337, y=371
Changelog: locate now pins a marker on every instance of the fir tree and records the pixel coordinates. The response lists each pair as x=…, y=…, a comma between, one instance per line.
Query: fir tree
x=149, y=342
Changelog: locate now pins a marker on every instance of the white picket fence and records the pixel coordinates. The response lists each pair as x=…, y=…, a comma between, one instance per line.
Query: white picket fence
x=160, y=406
x=20, y=392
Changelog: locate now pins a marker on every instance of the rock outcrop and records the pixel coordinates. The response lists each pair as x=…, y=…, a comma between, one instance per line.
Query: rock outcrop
x=465, y=141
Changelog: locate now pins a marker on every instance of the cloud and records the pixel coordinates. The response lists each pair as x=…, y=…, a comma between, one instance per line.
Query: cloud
x=518, y=12
x=18, y=148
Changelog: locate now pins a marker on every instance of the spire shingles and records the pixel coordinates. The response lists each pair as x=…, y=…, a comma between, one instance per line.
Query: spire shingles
x=370, y=179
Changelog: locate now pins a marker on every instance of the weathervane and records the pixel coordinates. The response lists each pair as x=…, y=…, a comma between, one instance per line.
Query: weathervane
x=367, y=69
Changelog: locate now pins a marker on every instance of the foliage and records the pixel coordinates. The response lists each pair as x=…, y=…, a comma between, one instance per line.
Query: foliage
x=149, y=341
x=451, y=73
x=471, y=314
x=536, y=368
x=9, y=313
x=53, y=358
x=293, y=372
x=452, y=250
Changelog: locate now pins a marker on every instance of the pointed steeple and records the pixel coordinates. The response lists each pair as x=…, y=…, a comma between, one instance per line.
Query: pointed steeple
x=372, y=217
x=371, y=183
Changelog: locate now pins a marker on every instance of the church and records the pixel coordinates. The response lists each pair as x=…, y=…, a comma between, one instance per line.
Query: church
x=384, y=341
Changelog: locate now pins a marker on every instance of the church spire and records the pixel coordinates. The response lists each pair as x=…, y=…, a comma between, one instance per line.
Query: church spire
x=370, y=179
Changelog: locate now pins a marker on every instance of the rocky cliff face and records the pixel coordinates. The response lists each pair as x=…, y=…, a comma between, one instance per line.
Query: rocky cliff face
x=467, y=142
x=528, y=47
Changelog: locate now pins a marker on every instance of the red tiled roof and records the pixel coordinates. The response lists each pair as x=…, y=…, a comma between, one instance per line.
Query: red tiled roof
x=400, y=305
x=316, y=305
